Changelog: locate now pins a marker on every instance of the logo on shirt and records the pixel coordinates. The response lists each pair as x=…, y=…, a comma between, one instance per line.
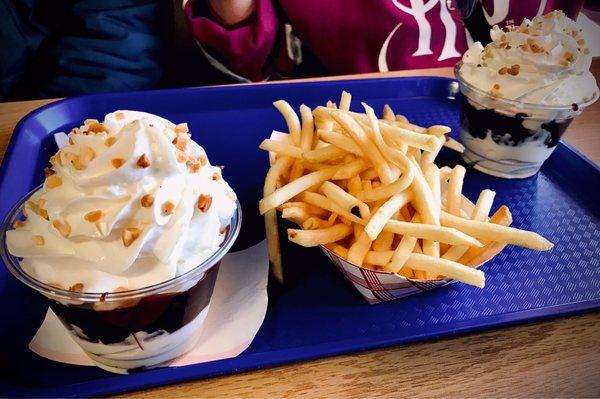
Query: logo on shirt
x=418, y=9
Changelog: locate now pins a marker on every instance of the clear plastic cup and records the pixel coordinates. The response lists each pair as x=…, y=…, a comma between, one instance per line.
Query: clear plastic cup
x=508, y=138
x=137, y=329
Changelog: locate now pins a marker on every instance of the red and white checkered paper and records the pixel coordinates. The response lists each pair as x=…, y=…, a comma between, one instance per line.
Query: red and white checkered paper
x=378, y=286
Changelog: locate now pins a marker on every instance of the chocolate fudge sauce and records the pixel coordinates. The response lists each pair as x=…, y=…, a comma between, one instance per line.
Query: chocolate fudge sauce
x=156, y=313
x=479, y=121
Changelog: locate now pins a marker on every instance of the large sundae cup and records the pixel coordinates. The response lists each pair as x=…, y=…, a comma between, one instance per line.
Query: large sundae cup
x=125, y=237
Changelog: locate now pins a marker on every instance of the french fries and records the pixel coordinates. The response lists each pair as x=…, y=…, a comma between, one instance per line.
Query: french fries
x=369, y=190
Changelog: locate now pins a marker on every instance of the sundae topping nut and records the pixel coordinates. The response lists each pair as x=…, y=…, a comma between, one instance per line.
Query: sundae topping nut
x=76, y=287
x=18, y=224
x=117, y=162
x=204, y=202
x=143, y=161
x=129, y=235
x=63, y=227
x=147, y=200
x=182, y=128
x=96, y=127
x=110, y=141
x=38, y=240
x=167, y=208
x=53, y=181
x=93, y=216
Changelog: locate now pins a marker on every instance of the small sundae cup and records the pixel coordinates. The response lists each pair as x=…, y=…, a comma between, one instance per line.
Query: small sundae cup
x=521, y=92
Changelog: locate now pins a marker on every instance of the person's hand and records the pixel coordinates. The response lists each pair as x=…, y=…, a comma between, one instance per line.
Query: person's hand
x=232, y=12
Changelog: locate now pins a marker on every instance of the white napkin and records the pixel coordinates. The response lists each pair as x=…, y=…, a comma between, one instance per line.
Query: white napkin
x=237, y=310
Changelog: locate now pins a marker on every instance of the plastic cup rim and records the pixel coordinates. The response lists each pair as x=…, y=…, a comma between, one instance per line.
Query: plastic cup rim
x=521, y=104
x=58, y=293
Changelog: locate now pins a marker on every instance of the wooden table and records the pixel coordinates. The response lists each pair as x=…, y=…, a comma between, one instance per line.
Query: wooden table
x=545, y=359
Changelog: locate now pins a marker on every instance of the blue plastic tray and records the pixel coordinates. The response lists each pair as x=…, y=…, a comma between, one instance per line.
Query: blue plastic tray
x=320, y=314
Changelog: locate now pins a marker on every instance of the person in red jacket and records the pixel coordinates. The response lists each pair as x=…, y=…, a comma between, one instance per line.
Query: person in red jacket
x=254, y=40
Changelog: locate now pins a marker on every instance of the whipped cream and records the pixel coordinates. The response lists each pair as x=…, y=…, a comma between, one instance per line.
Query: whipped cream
x=543, y=61
x=129, y=202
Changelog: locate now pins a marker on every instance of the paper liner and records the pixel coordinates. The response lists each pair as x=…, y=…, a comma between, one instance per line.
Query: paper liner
x=380, y=286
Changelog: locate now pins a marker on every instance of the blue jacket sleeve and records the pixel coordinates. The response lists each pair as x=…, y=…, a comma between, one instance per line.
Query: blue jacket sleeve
x=20, y=37
x=104, y=45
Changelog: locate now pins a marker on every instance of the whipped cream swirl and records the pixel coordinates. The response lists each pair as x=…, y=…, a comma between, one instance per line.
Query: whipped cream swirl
x=543, y=61
x=128, y=203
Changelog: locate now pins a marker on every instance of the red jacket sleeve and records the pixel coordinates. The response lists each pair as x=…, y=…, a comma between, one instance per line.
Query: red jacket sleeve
x=242, y=50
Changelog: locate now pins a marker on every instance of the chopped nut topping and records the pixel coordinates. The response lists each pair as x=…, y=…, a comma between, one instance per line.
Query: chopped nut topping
x=76, y=287
x=203, y=160
x=563, y=62
x=88, y=122
x=181, y=142
x=515, y=66
x=581, y=42
x=513, y=71
x=117, y=162
x=569, y=56
x=38, y=240
x=43, y=213
x=86, y=155
x=503, y=70
x=129, y=235
x=96, y=128
x=204, y=202
x=93, y=216
x=110, y=141
x=71, y=141
x=495, y=90
x=63, y=227
x=216, y=176
x=53, y=181
x=147, y=200
x=48, y=172
x=75, y=130
x=536, y=48
x=143, y=161
x=18, y=224
x=167, y=208
x=119, y=116
x=181, y=156
x=182, y=128
x=81, y=161
x=54, y=159
x=193, y=164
